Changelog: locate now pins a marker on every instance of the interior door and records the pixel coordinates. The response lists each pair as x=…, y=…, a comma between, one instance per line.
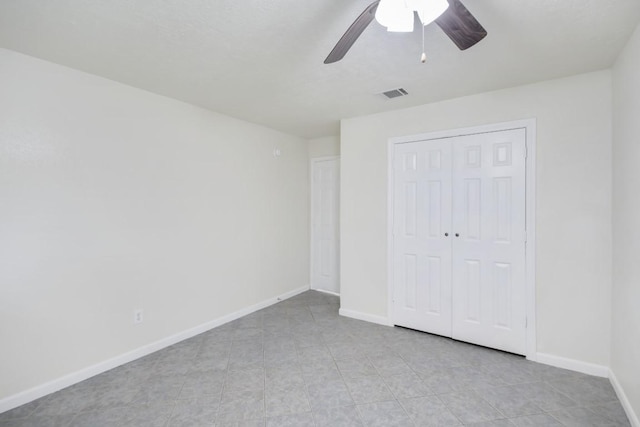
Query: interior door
x=325, y=228
x=422, y=236
x=489, y=240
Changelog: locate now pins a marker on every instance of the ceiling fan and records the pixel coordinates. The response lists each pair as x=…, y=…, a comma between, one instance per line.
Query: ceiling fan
x=397, y=15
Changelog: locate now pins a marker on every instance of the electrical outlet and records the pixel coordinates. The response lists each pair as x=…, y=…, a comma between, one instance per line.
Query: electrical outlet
x=138, y=316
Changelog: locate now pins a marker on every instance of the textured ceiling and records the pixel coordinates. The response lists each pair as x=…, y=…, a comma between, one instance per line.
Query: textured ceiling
x=262, y=60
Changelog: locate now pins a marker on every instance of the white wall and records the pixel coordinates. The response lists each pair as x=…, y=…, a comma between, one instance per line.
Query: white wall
x=625, y=352
x=573, y=203
x=324, y=147
x=112, y=198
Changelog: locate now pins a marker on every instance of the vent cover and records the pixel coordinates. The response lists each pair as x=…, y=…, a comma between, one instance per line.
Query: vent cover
x=390, y=94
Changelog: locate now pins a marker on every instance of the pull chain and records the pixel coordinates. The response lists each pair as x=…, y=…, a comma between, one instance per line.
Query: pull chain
x=423, y=58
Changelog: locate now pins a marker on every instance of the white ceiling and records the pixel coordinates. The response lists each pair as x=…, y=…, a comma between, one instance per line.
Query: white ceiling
x=262, y=61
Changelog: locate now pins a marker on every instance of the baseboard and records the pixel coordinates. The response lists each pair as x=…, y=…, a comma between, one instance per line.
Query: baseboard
x=326, y=292
x=277, y=299
x=380, y=320
x=42, y=390
x=573, y=365
x=624, y=400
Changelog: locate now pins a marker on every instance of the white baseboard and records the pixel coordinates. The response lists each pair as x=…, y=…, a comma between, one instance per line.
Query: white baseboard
x=275, y=300
x=380, y=320
x=324, y=291
x=573, y=365
x=37, y=392
x=624, y=400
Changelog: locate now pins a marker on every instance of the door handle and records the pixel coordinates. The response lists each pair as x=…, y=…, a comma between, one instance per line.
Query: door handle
x=457, y=234
x=446, y=234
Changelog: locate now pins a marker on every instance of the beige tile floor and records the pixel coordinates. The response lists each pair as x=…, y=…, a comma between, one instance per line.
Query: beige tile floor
x=298, y=363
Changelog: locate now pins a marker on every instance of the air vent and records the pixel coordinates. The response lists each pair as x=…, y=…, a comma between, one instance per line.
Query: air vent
x=395, y=93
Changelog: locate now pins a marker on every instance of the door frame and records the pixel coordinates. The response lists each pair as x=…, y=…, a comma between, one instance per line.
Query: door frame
x=529, y=125
x=312, y=165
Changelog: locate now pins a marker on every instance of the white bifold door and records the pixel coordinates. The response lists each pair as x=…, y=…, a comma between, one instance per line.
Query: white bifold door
x=459, y=238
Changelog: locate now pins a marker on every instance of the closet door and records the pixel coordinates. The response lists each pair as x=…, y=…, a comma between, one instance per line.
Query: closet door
x=488, y=276
x=421, y=247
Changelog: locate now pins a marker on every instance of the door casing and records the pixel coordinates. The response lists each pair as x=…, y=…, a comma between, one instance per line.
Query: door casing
x=529, y=125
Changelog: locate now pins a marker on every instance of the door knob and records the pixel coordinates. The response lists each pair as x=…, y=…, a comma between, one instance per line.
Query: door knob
x=446, y=234
x=457, y=234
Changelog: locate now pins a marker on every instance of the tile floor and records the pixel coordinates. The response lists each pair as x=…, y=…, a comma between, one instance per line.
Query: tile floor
x=298, y=363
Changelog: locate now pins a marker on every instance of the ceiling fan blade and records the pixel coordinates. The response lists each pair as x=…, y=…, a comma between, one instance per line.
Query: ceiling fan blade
x=352, y=34
x=460, y=25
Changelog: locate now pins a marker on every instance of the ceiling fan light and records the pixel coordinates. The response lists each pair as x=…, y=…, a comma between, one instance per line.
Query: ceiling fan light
x=403, y=24
x=430, y=10
x=395, y=15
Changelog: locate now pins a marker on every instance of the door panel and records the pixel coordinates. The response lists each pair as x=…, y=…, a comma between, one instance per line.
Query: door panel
x=422, y=253
x=325, y=199
x=489, y=224
x=472, y=208
x=471, y=288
